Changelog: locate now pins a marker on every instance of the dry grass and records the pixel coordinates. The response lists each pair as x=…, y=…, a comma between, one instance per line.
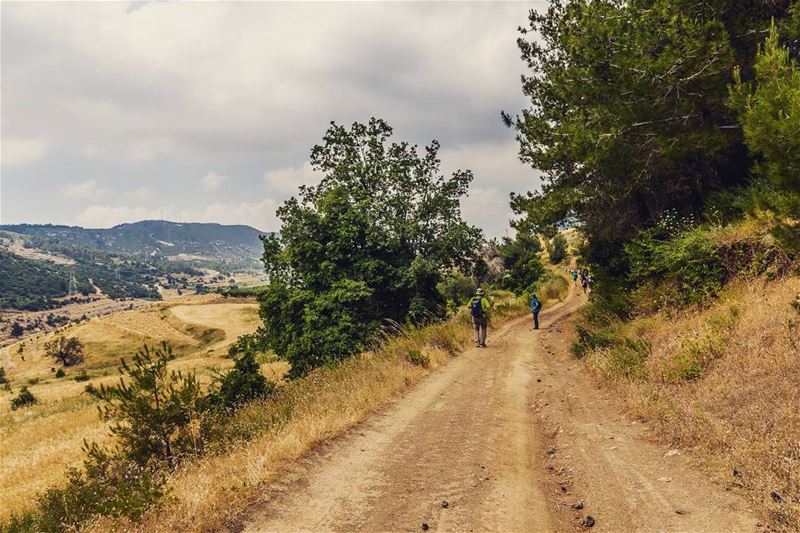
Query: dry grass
x=725, y=381
x=212, y=492
x=40, y=441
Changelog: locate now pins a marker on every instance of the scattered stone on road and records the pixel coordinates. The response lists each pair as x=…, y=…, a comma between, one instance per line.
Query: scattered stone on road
x=445, y=504
x=577, y=506
x=588, y=521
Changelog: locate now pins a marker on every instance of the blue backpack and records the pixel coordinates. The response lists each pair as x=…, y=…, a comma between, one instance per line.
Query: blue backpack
x=476, y=308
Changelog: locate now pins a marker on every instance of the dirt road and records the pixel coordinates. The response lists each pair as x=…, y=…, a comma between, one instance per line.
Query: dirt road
x=502, y=439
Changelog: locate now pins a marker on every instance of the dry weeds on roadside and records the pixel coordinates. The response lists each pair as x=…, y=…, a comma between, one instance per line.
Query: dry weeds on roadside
x=212, y=492
x=726, y=382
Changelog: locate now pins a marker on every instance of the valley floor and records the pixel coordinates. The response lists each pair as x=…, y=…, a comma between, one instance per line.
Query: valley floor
x=502, y=439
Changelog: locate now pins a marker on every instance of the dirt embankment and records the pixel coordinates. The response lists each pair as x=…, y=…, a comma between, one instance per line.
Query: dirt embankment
x=502, y=439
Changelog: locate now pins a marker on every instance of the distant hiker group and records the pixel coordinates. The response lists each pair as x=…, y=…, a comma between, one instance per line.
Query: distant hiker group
x=584, y=277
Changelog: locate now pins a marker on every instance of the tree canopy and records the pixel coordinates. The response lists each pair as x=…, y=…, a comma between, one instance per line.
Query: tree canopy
x=369, y=244
x=628, y=113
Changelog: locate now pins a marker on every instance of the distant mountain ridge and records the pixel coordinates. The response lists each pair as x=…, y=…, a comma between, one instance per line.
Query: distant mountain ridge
x=234, y=244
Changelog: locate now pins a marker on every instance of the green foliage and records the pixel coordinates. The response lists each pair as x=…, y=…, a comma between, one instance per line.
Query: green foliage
x=3, y=377
x=28, y=284
x=456, y=288
x=23, y=399
x=107, y=485
x=557, y=249
x=83, y=376
x=686, y=263
x=60, y=373
x=521, y=260
x=769, y=110
x=67, y=350
x=366, y=245
x=628, y=114
x=415, y=357
x=155, y=412
x=16, y=329
x=243, y=383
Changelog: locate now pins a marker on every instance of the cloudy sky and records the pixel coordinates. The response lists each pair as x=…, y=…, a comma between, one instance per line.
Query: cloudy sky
x=116, y=112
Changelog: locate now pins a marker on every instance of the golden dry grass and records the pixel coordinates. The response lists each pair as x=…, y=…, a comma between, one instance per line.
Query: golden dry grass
x=40, y=441
x=210, y=493
x=725, y=381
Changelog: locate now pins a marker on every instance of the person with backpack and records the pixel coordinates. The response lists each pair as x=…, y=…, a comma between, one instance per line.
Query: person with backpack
x=536, y=306
x=479, y=307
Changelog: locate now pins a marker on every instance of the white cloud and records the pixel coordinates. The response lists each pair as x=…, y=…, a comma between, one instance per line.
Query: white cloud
x=105, y=216
x=285, y=181
x=488, y=208
x=259, y=214
x=17, y=151
x=85, y=190
x=142, y=193
x=212, y=181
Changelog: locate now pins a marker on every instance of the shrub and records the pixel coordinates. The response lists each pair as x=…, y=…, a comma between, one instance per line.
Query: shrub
x=17, y=330
x=67, y=350
x=83, y=376
x=688, y=263
x=521, y=260
x=3, y=378
x=155, y=411
x=557, y=249
x=60, y=373
x=243, y=383
x=108, y=485
x=415, y=357
x=24, y=398
x=456, y=288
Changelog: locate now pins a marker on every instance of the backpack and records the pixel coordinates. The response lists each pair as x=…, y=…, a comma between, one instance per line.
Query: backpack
x=476, y=308
x=536, y=307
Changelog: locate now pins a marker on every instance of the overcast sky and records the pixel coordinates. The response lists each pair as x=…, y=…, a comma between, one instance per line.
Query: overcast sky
x=116, y=112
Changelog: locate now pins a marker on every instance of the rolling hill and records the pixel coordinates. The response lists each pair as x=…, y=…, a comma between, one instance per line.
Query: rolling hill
x=234, y=246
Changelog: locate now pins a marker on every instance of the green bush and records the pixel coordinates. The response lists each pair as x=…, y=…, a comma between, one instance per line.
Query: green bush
x=521, y=261
x=155, y=412
x=417, y=358
x=557, y=249
x=686, y=262
x=243, y=383
x=83, y=376
x=3, y=378
x=456, y=288
x=107, y=485
x=60, y=373
x=23, y=399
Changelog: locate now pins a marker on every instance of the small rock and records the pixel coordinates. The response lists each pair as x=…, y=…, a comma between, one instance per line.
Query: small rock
x=577, y=506
x=551, y=451
x=776, y=496
x=672, y=453
x=736, y=472
x=588, y=521
x=539, y=380
x=425, y=526
x=665, y=479
x=680, y=511
x=445, y=504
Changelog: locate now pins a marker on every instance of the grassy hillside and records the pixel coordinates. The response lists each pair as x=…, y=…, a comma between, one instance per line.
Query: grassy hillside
x=708, y=355
x=235, y=246
x=48, y=436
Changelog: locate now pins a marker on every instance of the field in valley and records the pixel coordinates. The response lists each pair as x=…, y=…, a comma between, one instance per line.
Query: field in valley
x=40, y=441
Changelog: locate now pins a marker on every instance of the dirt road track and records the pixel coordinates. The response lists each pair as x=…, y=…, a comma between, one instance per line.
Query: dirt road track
x=476, y=435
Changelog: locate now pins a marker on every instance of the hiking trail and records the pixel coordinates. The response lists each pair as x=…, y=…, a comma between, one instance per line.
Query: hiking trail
x=502, y=439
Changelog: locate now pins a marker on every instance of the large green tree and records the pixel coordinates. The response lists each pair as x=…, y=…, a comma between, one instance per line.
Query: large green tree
x=628, y=114
x=367, y=245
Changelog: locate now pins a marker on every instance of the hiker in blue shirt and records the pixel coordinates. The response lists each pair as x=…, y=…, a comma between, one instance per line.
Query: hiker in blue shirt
x=536, y=306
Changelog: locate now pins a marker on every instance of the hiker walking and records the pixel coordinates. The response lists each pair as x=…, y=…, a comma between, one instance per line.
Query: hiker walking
x=584, y=281
x=536, y=306
x=479, y=307
x=574, y=276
